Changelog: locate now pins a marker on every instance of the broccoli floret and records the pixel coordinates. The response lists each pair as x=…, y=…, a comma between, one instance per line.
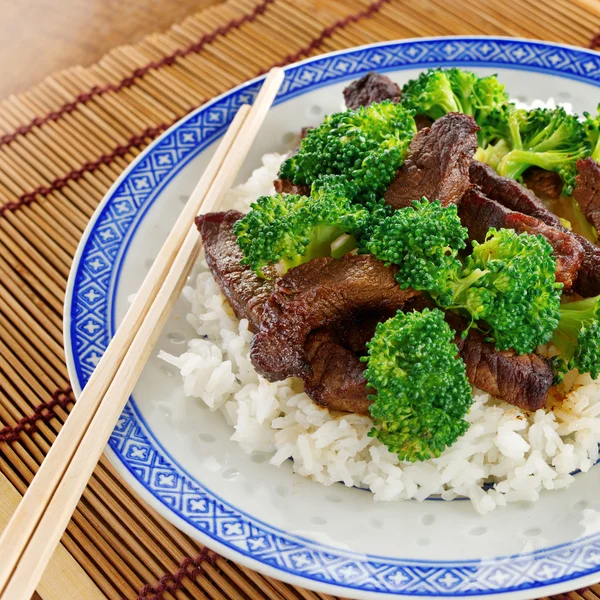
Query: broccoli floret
x=550, y=139
x=437, y=92
x=424, y=241
x=577, y=338
x=592, y=131
x=422, y=388
x=364, y=146
x=509, y=283
x=431, y=94
x=290, y=229
x=507, y=286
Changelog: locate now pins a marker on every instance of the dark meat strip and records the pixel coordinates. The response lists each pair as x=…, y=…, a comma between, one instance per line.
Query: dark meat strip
x=587, y=190
x=315, y=295
x=422, y=121
x=513, y=195
x=510, y=193
x=371, y=88
x=523, y=380
x=245, y=292
x=478, y=213
x=336, y=379
x=285, y=186
x=544, y=184
x=437, y=164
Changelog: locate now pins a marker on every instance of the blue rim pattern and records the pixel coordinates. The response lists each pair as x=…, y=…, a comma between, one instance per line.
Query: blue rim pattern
x=91, y=323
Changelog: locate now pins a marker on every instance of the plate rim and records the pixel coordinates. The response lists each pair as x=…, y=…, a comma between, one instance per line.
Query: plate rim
x=122, y=467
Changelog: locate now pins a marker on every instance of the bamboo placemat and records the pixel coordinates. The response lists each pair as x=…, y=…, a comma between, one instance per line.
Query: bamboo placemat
x=62, y=144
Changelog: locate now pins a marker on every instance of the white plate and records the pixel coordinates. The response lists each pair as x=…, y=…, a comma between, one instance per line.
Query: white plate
x=334, y=539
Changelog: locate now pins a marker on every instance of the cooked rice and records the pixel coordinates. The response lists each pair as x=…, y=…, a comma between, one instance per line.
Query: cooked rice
x=521, y=453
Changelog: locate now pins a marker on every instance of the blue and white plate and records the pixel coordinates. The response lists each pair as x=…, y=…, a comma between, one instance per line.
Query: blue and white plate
x=334, y=539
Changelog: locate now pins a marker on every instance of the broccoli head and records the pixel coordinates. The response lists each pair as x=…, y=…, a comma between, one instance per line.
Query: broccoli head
x=437, y=92
x=592, y=131
x=423, y=241
x=509, y=283
x=577, y=338
x=422, y=390
x=431, y=94
x=546, y=138
x=365, y=147
x=288, y=230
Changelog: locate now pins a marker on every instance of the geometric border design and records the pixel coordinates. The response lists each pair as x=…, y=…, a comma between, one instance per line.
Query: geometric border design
x=88, y=318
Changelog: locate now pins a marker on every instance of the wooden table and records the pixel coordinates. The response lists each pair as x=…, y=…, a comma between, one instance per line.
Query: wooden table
x=38, y=37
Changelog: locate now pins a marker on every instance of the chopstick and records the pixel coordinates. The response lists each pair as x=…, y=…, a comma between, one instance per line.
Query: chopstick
x=44, y=512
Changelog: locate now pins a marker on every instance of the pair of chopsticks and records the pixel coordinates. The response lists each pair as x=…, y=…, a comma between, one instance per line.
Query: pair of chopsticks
x=44, y=512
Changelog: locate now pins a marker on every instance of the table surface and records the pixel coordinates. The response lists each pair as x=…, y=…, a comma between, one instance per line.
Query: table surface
x=38, y=37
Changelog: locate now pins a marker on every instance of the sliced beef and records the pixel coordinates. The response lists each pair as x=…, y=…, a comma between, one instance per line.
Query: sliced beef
x=315, y=295
x=513, y=195
x=422, y=121
x=478, y=213
x=371, y=88
x=285, y=186
x=523, y=380
x=510, y=193
x=245, y=292
x=546, y=185
x=336, y=379
x=588, y=281
x=437, y=164
x=587, y=190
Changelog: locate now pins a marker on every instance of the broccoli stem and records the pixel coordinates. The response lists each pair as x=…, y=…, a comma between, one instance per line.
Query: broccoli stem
x=516, y=162
x=321, y=238
x=343, y=245
x=461, y=286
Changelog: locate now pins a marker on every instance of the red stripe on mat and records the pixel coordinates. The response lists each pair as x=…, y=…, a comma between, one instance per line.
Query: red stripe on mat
x=139, y=72
x=76, y=174
x=595, y=41
x=43, y=412
x=151, y=132
x=189, y=568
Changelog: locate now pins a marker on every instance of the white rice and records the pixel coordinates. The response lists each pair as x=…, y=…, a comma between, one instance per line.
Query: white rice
x=521, y=453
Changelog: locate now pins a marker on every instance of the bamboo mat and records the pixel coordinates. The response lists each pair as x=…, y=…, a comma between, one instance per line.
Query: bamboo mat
x=61, y=146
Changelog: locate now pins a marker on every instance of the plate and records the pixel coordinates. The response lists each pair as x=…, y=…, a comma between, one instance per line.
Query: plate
x=331, y=539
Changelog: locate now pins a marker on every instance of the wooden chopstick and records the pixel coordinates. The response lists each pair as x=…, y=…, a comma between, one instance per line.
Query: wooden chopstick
x=42, y=516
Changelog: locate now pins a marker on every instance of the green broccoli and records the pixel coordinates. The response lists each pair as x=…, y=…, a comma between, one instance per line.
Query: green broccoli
x=509, y=283
x=507, y=286
x=550, y=139
x=577, y=338
x=424, y=241
x=365, y=147
x=422, y=390
x=431, y=94
x=290, y=229
x=592, y=131
x=437, y=92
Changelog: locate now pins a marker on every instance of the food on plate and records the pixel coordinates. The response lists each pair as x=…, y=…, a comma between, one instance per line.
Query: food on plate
x=422, y=392
x=288, y=230
x=369, y=89
x=414, y=295
x=437, y=165
x=364, y=148
x=478, y=214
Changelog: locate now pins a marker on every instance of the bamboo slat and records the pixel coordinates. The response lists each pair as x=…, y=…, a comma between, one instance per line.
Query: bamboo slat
x=63, y=143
